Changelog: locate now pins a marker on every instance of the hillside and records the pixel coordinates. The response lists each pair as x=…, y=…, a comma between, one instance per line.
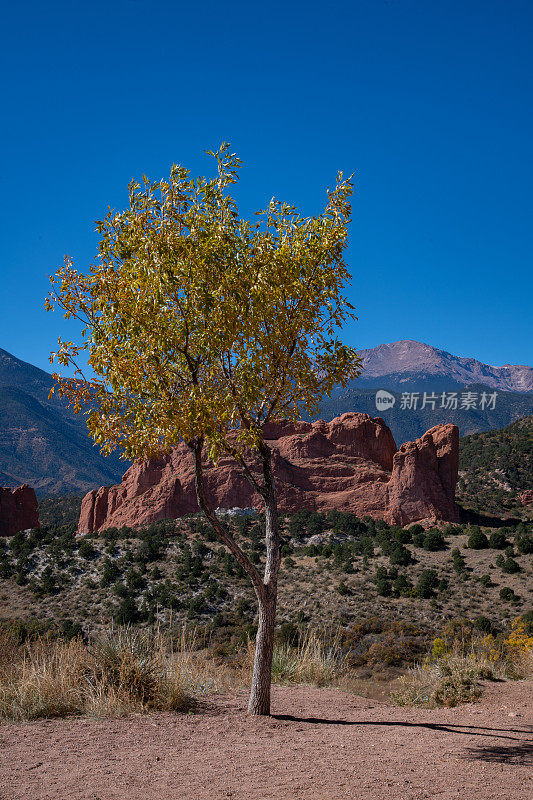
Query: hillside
x=42, y=442
x=495, y=467
x=337, y=570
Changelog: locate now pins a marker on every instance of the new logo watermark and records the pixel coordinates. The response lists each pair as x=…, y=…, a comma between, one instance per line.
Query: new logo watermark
x=384, y=400
x=411, y=401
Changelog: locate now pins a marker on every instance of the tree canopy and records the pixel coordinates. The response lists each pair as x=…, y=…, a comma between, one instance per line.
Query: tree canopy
x=197, y=322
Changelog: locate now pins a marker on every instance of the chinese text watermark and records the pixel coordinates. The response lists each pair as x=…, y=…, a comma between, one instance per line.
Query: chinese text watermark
x=467, y=401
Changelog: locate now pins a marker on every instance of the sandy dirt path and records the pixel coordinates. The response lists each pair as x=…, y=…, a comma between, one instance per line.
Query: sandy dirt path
x=322, y=744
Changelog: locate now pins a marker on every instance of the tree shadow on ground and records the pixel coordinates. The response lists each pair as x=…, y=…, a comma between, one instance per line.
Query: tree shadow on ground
x=465, y=730
x=519, y=755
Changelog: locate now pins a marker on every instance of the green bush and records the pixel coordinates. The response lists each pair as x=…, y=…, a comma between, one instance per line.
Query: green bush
x=110, y=572
x=402, y=586
x=384, y=587
x=483, y=624
x=507, y=593
x=427, y=583
x=478, y=541
x=400, y=555
x=86, y=549
x=524, y=543
x=498, y=540
x=433, y=541
x=510, y=566
x=127, y=613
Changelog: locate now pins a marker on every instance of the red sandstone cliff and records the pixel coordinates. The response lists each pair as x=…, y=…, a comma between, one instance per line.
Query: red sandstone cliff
x=18, y=510
x=349, y=464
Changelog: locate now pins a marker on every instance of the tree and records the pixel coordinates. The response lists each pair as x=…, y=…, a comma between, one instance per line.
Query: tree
x=202, y=327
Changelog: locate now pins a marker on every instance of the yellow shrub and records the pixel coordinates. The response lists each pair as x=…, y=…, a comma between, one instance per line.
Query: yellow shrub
x=519, y=641
x=439, y=648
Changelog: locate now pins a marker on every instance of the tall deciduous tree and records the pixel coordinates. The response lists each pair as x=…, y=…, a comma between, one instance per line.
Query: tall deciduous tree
x=202, y=327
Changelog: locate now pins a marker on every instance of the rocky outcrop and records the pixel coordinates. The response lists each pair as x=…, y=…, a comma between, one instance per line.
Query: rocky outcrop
x=526, y=498
x=349, y=464
x=424, y=474
x=18, y=510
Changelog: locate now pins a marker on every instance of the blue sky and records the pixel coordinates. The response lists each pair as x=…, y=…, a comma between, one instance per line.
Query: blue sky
x=428, y=102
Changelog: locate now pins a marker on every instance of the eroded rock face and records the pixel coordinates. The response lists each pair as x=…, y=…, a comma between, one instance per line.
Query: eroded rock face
x=424, y=474
x=348, y=464
x=18, y=510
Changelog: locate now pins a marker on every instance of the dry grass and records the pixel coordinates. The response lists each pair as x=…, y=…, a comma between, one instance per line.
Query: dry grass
x=315, y=659
x=124, y=670
x=452, y=676
x=120, y=671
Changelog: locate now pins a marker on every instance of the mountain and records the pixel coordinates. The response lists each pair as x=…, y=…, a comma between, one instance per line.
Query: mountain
x=406, y=369
x=42, y=442
x=416, y=364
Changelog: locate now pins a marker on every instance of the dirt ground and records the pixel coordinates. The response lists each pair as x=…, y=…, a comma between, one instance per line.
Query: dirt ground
x=321, y=744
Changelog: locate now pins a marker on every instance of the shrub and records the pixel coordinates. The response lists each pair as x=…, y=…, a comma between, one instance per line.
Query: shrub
x=524, y=543
x=402, y=586
x=312, y=660
x=343, y=589
x=448, y=682
x=418, y=539
x=433, y=541
x=120, y=671
x=110, y=572
x=506, y=593
x=384, y=587
x=127, y=612
x=478, y=540
x=459, y=563
x=527, y=619
x=86, y=549
x=483, y=624
x=400, y=555
x=498, y=540
x=427, y=583
x=485, y=581
x=510, y=566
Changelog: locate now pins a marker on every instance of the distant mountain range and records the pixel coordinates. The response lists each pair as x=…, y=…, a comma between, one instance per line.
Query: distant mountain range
x=45, y=444
x=416, y=365
x=408, y=369
x=42, y=442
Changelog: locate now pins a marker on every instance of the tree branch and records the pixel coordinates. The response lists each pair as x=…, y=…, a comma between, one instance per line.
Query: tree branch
x=226, y=537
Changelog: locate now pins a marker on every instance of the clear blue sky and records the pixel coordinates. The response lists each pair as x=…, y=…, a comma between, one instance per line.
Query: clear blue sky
x=430, y=103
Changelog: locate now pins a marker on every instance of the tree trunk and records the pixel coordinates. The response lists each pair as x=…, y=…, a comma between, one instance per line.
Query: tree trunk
x=259, y=702
x=266, y=589
x=264, y=644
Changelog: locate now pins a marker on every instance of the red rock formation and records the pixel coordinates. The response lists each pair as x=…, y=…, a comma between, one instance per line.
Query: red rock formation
x=345, y=464
x=526, y=498
x=18, y=510
x=424, y=474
